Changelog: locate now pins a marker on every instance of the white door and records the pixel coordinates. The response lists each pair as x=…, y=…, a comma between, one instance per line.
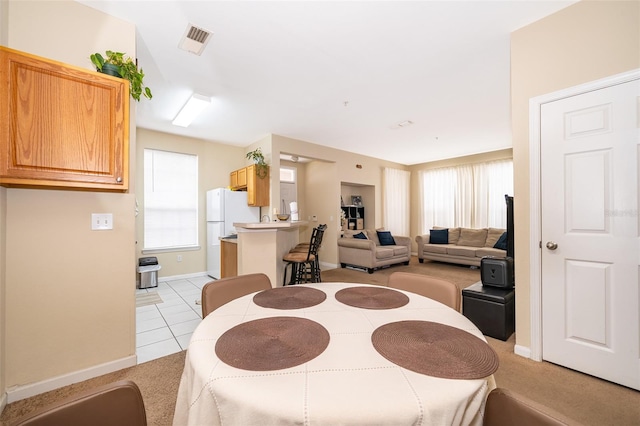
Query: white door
x=590, y=247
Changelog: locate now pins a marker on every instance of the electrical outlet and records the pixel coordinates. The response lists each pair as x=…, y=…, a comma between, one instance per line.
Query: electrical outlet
x=101, y=221
x=179, y=258
x=314, y=218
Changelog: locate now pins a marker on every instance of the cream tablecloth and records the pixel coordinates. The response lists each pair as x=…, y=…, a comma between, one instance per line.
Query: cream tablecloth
x=349, y=383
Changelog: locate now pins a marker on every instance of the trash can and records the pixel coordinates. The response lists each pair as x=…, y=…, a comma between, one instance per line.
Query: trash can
x=148, y=269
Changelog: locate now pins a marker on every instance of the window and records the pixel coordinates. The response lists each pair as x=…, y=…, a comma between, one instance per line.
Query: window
x=170, y=200
x=470, y=196
x=287, y=174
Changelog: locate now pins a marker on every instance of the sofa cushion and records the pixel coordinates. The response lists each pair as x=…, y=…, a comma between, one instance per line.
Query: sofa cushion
x=502, y=242
x=436, y=248
x=384, y=252
x=360, y=236
x=454, y=234
x=493, y=235
x=386, y=239
x=491, y=252
x=400, y=250
x=373, y=235
x=439, y=236
x=462, y=251
x=472, y=237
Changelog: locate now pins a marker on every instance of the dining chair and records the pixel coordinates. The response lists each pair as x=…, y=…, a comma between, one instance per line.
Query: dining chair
x=118, y=403
x=304, y=261
x=217, y=293
x=434, y=288
x=507, y=408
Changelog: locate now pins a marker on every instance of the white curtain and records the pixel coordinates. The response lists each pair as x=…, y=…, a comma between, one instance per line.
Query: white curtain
x=470, y=196
x=396, y=200
x=492, y=181
x=438, y=191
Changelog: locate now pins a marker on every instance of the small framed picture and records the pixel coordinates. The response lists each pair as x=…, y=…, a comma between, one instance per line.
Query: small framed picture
x=356, y=200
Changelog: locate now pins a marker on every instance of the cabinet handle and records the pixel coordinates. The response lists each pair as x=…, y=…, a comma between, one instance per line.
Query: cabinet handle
x=119, y=179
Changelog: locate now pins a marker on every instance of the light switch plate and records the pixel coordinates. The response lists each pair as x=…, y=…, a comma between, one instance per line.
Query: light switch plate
x=101, y=221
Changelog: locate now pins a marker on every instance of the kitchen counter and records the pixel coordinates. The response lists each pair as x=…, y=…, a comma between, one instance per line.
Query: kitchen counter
x=271, y=225
x=261, y=247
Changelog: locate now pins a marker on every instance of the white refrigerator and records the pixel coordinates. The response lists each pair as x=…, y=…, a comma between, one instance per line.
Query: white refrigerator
x=224, y=207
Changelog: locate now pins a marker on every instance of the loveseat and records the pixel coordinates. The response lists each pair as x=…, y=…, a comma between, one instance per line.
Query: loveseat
x=365, y=249
x=465, y=246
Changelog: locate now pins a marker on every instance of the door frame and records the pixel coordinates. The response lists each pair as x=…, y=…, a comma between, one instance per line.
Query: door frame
x=534, y=352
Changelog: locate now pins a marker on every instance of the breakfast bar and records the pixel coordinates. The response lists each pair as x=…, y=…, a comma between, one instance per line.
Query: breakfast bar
x=261, y=247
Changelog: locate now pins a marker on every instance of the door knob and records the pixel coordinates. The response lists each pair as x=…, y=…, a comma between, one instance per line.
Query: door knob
x=551, y=245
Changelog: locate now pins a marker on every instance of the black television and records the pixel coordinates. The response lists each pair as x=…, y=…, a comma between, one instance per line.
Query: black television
x=509, y=201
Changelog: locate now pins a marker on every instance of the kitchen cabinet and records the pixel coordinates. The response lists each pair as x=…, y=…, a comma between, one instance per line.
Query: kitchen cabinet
x=257, y=187
x=62, y=126
x=247, y=179
x=242, y=177
x=233, y=179
x=228, y=258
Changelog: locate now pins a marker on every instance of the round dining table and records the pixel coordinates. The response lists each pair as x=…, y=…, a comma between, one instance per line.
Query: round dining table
x=335, y=354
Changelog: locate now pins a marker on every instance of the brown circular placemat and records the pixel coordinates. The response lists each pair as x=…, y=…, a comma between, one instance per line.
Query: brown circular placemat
x=289, y=297
x=435, y=349
x=372, y=297
x=272, y=343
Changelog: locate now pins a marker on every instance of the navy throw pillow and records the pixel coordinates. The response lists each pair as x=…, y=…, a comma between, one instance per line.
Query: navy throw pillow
x=439, y=236
x=502, y=242
x=385, y=238
x=360, y=236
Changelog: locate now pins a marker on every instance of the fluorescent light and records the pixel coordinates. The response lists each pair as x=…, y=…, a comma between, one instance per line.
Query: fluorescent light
x=191, y=109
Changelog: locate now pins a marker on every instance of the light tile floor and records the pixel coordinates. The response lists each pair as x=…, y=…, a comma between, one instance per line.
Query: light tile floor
x=166, y=328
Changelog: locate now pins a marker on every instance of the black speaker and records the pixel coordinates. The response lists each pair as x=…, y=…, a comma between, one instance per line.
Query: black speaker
x=497, y=272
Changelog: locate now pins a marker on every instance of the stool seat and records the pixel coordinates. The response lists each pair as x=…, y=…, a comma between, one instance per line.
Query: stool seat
x=298, y=257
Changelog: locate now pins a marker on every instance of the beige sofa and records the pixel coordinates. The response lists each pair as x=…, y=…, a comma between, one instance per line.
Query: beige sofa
x=465, y=246
x=370, y=253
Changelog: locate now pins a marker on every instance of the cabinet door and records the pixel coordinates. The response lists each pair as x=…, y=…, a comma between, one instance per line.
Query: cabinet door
x=242, y=178
x=233, y=179
x=62, y=126
x=257, y=188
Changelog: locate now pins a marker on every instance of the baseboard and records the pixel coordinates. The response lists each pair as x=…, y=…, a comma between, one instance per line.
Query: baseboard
x=3, y=402
x=327, y=266
x=17, y=393
x=183, y=277
x=523, y=351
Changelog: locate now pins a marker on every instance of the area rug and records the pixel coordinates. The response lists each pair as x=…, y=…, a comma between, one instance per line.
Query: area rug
x=144, y=299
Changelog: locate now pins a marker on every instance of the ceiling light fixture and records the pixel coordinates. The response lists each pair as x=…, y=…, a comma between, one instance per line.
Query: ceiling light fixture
x=401, y=124
x=191, y=109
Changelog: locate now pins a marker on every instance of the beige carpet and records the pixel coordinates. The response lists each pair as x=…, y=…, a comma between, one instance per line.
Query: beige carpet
x=144, y=299
x=588, y=400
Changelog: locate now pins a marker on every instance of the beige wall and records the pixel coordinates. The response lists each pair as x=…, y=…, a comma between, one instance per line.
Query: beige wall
x=416, y=222
x=215, y=163
x=581, y=43
x=333, y=167
x=68, y=291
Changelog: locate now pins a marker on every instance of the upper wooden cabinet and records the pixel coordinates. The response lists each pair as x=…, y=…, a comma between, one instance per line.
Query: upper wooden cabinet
x=257, y=187
x=62, y=126
x=247, y=179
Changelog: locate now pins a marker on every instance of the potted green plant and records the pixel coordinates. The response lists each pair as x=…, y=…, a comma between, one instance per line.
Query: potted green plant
x=118, y=65
x=258, y=158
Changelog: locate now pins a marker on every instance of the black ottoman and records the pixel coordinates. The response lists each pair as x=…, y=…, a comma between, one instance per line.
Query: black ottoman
x=491, y=309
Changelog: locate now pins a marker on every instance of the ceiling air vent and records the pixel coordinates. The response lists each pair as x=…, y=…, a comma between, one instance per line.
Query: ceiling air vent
x=194, y=39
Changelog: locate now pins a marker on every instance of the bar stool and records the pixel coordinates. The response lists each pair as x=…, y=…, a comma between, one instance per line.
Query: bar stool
x=305, y=266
